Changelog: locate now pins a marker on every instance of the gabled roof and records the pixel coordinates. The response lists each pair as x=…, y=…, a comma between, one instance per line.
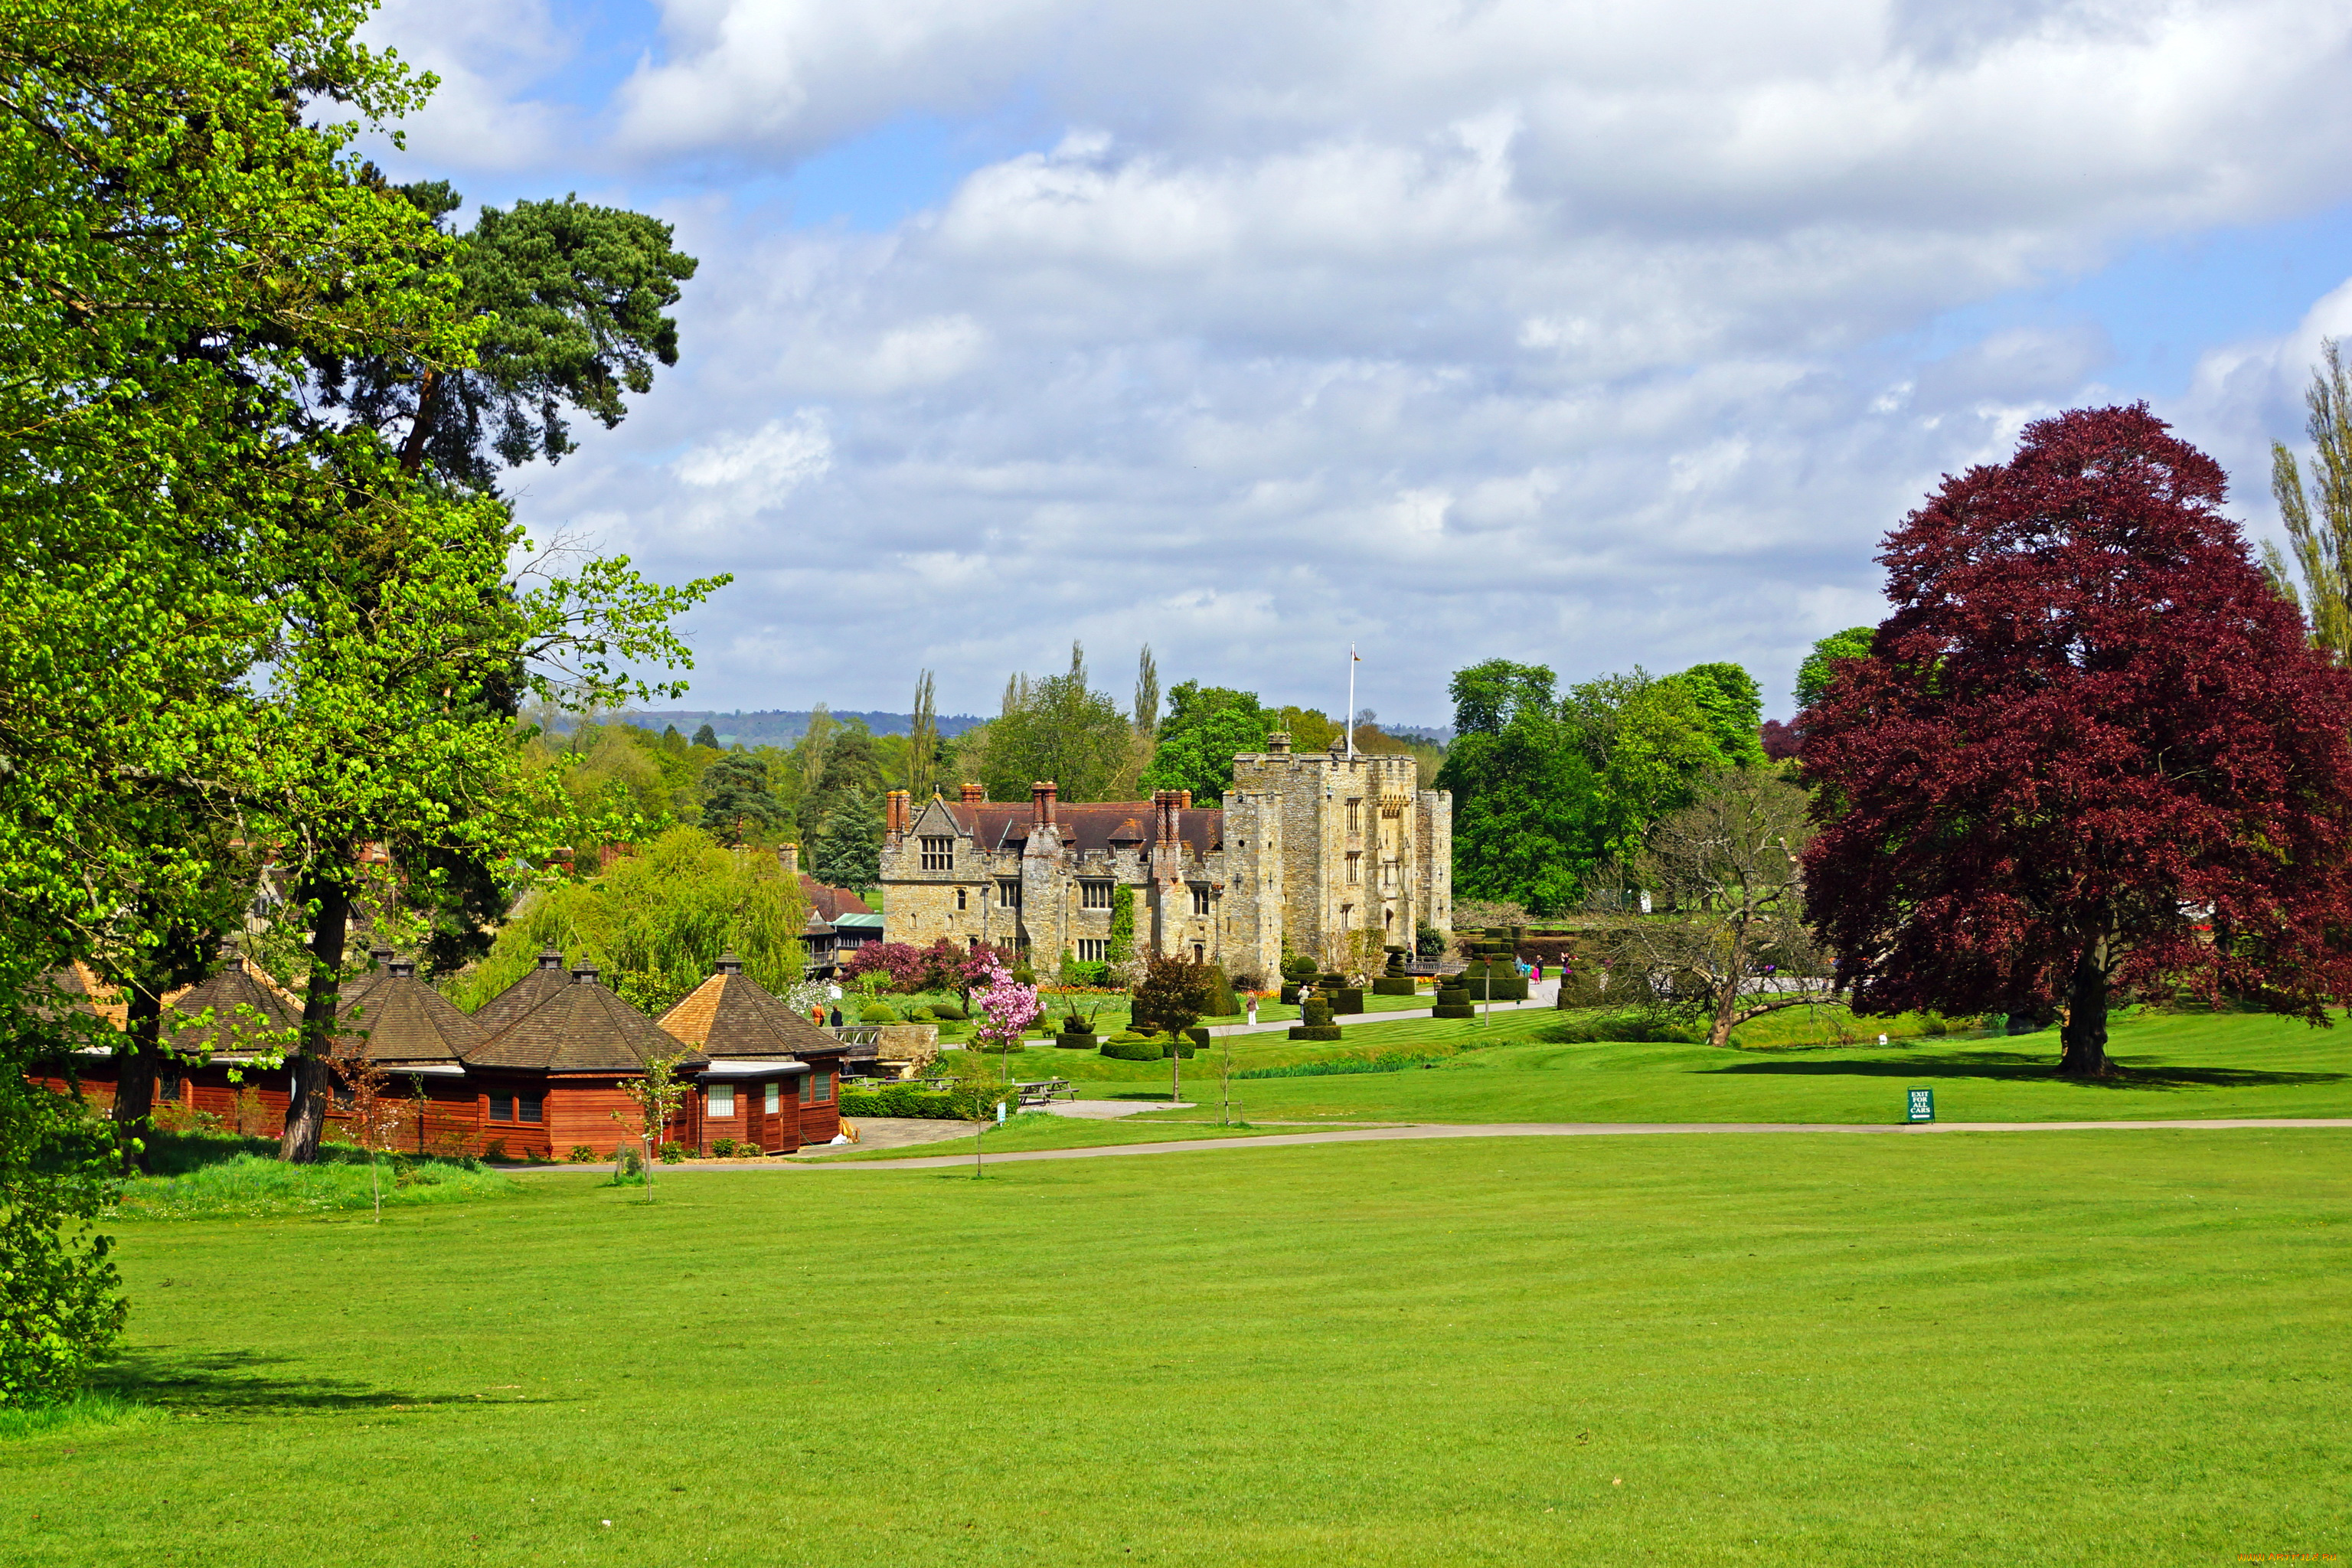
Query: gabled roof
x=83, y=992
x=248, y=1015
x=406, y=1020
x=545, y=980
x=1086, y=826
x=584, y=1028
x=830, y=903
x=732, y=1014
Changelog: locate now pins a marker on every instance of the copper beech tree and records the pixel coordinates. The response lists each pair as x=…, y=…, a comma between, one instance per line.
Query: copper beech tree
x=2091, y=749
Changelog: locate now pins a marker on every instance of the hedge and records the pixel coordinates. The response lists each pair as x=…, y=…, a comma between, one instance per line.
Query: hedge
x=1075, y=1042
x=1346, y=998
x=1316, y=1032
x=898, y=1099
x=1133, y=1050
x=1392, y=985
x=1623, y=1027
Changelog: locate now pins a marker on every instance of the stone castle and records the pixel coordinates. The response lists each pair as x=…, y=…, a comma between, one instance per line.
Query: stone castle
x=1308, y=853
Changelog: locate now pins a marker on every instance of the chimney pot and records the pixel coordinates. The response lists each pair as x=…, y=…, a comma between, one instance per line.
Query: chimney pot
x=973, y=794
x=1184, y=799
x=584, y=975
x=402, y=968
x=1043, y=796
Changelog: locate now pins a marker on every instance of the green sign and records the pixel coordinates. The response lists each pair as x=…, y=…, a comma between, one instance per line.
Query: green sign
x=1920, y=1105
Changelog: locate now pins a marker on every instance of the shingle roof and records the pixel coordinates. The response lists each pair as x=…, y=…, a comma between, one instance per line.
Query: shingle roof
x=732, y=1014
x=248, y=1015
x=84, y=992
x=584, y=1028
x=831, y=903
x=546, y=980
x=406, y=1020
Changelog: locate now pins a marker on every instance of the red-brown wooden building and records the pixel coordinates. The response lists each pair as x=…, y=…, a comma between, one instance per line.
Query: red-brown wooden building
x=773, y=1078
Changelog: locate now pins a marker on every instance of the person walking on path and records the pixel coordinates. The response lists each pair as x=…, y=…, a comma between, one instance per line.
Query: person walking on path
x=1252, y=1009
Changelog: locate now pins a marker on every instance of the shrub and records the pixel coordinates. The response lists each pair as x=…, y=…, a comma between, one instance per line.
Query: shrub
x=1297, y=967
x=1128, y=1036
x=1290, y=993
x=876, y=1013
x=1075, y=1042
x=1453, y=1001
x=897, y=1100
x=1138, y=1050
x=1618, y=1027
x=1317, y=1024
x=949, y=1012
x=673, y=1153
x=1198, y=1035
x=722, y=1147
x=1393, y=986
x=495, y=1150
x=582, y=1154
x=1347, y=999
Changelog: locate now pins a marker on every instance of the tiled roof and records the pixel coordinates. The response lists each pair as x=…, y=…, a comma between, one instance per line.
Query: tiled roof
x=84, y=992
x=247, y=1014
x=1089, y=824
x=406, y=1020
x=732, y=1014
x=831, y=903
x=584, y=1028
x=547, y=979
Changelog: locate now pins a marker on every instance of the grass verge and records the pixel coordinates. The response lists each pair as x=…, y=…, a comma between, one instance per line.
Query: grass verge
x=249, y=1185
x=2098, y=1349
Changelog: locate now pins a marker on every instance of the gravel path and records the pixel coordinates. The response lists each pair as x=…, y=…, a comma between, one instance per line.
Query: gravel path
x=1583, y=1129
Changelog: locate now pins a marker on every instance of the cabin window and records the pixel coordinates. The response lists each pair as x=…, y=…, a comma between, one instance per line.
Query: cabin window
x=1094, y=950
x=1008, y=895
x=771, y=1099
x=939, y=854
x=722, y=1100
x=820, y=1088
x=502, y=1108
x=530, y=1108
x=1200, y=900
x=960, y=903
x=1094, y=895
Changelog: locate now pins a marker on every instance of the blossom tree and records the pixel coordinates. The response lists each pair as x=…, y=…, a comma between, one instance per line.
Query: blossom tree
x=1008, y=1008
x=2091, y=749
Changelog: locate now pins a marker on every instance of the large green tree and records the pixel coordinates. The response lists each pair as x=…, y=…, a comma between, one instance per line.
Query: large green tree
x=1821, y=664
x=1204, y=727
x=1057, y=728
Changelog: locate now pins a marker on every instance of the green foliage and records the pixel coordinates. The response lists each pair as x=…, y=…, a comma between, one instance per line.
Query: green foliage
x=1204, y=729
x=707, y=737
x=1733, y=706
x=847, y=851
x=582, y=1154
x=1618, y=1027
x=1057, y=728
x=876, y=1013
x=1813, y=675
x=249, y=1184
x=61, y=1307
x=897, y=1100
x=1139, y=1050
x=1121, y=945
x=656, y=921
x=735, y=798
x=1172, y=995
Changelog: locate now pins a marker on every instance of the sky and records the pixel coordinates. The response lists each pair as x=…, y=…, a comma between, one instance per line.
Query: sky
x=1587, y=335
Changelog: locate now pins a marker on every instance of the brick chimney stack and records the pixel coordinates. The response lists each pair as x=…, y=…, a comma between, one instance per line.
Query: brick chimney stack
x=790, y=854
x=1184, y=802
x=1278, y=743
x=895, y=818
x=973, y=794
x=1043, y=796
x=1164, y=806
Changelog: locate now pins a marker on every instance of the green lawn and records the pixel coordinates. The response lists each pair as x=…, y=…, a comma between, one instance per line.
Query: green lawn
x=2108, y=1348
x=2175, y=1065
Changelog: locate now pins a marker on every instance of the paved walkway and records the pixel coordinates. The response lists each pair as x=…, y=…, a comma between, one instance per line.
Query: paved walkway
x=1106, y=1109
x=1584, y=1129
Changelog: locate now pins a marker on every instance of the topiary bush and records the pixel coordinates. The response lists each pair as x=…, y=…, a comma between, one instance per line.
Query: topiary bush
x=949, y=1012
x=1393, y=986
x=1125, y=1050
x=1453, y=1001
x=1076, y=1042
x=1347, y=999
x=876, y=1013
x=1317, y=1024
x=1290, y=993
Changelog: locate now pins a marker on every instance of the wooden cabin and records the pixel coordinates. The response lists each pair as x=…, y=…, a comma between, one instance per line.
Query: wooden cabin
x=420, y=1039
x=773, y=1078
x=550, y=1080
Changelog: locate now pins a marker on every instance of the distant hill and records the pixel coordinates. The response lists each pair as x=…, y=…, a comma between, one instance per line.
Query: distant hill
x=773, y=727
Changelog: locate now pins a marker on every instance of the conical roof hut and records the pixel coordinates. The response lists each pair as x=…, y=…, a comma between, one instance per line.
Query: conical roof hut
x=732, y=1015
x=407, y=1023
x=545, y=980
x=246, y=1013
x=584, y=1028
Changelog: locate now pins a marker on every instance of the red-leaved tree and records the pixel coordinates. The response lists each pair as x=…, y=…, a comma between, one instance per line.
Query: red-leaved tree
x=2091, y=749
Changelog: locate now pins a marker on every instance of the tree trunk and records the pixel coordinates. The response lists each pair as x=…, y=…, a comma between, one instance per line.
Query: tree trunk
x=1727, y=1001
x=2084, y=1038
x=412, y=451
x=134, y=1084
x=306, y=1110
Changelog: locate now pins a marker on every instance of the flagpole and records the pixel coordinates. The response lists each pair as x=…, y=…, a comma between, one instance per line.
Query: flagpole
x=1353, y=662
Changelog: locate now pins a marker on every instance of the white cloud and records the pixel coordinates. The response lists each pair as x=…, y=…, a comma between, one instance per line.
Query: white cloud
x=1569, y=331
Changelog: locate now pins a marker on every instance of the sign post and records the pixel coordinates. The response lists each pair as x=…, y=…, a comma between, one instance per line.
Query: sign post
x=1919, y=1105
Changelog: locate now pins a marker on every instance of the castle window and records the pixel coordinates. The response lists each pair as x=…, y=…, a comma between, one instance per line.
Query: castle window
x=1355, y=816
x=959, y=897
x=1008, y=895
x=1094, y=950
x=1199, y=952
x=939, y=854
x=1094, y=895
x=1355, y=866
x=1200, y=900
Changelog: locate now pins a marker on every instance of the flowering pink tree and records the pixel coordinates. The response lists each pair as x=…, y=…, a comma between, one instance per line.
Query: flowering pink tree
x=1008, y=1007
x=901, y=962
